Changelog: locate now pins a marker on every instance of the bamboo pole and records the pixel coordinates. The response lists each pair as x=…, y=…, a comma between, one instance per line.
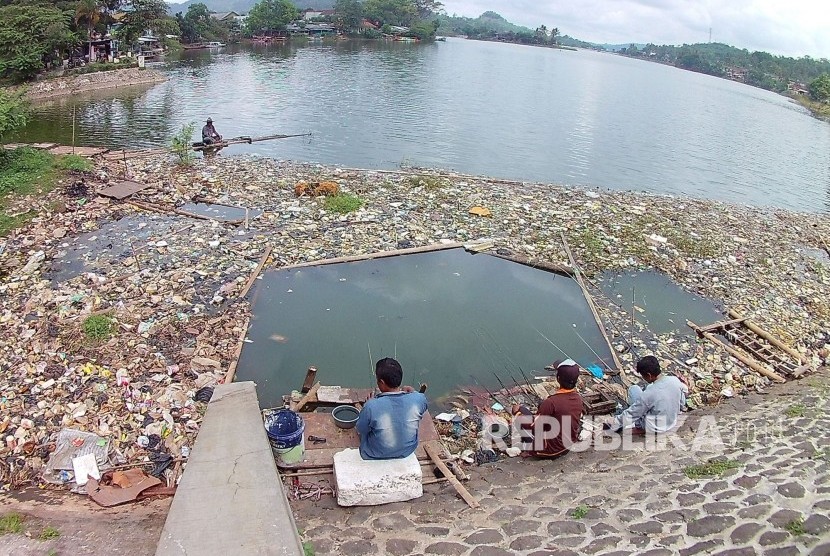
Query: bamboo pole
x=737, y=354
x=767, y=336
x=232, y=367
x=591, y=305
x=550, y=267
x=450, y=476
x=256, y=272
x=377, y=255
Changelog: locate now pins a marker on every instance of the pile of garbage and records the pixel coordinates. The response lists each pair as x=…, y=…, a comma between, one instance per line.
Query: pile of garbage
x=114, y=315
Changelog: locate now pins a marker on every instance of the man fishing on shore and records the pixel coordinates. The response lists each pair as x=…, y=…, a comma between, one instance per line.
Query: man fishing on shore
x=209, y=133
x=557, y=422
x=655, y=408
x=388, y=423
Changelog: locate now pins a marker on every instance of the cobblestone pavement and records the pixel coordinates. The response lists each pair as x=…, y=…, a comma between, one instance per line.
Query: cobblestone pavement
x=775, y=502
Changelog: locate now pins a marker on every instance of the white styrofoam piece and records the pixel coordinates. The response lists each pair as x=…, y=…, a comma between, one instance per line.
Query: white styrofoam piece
x=371, y=482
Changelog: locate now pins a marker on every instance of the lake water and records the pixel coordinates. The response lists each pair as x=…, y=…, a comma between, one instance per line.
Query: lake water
x=449, y=317
x=580, y=118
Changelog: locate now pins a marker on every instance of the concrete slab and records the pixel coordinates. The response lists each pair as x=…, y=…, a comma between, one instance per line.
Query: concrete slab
x=230, y=499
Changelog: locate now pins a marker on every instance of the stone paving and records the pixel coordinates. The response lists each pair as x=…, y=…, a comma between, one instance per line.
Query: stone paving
x=640, y=501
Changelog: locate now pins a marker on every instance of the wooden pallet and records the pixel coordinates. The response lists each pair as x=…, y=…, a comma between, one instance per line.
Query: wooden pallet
x=767, y=352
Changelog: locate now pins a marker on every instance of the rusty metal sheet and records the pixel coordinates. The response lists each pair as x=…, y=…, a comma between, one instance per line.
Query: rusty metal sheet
x=123, y=189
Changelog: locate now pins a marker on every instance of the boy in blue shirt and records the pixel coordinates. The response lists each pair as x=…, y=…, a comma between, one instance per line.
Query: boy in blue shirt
x=388, y=424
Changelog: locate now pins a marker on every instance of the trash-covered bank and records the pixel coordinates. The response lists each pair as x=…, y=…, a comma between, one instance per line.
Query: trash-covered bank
x=127, y=346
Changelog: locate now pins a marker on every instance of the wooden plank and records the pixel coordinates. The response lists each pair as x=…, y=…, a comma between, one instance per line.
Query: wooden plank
x=459, y=488
x=312, y=393
x=322, y=455
x=232, y=367
x=768, y=337
x=309, y=379
x=721, y=324
x=256, y=272
x=123, y=189
x=737, y=354
x=592, y=306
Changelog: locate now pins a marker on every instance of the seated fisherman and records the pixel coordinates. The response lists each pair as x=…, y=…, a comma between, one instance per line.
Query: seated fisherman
x=209, y=133
x=388, y=424
x=655, y=408
x=563, y=411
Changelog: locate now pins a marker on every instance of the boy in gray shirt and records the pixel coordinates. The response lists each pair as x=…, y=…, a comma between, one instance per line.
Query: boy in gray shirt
x=655, y=408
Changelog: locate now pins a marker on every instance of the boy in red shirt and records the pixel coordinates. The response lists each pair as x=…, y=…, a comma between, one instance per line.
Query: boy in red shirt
x=562, y=411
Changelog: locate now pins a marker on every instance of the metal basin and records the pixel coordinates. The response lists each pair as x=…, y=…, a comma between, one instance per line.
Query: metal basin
x=345, y=416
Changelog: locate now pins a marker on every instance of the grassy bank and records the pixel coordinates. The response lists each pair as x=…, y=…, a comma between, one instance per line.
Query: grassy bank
x=25, y=172
x=818, y=109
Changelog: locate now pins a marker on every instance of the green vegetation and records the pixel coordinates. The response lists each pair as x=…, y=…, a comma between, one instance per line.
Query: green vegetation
x=796, y=527
x=198, y=25
x=49, y=533
x=710, y=469
x=25, y=170
x=420, y=16
x=38, y=35
x=180, y=144
x=124, y=63
x=11, y=523
x=14, y=113
x=820, y=88
x=343, y=203
x=579, y=512
x=428, y=182
x=98, y=327
x=29, y=34
x=492, y=26
x=270, y=15
x=795, y=410
x=74, y=162
x=308, y=549
x=760, y=69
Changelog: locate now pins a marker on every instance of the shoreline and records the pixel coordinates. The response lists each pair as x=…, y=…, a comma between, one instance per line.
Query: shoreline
x=111, y=79
x=171, y=283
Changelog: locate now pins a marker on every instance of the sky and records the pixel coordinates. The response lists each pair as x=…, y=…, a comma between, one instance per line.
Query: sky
x=791, y=28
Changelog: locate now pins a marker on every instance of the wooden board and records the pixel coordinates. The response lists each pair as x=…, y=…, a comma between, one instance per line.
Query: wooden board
x=322, y=425
x=123, y=189
x=80, y=151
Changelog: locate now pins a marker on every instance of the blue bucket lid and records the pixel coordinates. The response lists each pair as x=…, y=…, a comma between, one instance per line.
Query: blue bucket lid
x=283, y=422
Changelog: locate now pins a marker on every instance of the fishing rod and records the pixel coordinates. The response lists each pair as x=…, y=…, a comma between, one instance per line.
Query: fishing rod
x=489, y=393
x=532, y=389
x=510, y=398
x=529, y=394
x=551, y=343
x=592, y=350
x=201, y=146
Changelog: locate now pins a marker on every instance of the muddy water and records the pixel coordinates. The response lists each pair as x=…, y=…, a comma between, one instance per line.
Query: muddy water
x=449, y=317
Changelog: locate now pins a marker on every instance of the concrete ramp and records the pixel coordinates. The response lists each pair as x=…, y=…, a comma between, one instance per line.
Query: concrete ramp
x=230, y=499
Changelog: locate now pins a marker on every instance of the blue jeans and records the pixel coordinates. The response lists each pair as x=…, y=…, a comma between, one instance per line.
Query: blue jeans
x=634, y=394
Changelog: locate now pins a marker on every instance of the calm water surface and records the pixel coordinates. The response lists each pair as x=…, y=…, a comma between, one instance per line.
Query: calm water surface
x=447, y=316
x=581, y=118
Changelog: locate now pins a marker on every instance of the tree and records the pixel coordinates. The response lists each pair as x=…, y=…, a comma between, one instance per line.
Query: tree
x=89, y=11
x=13, y=112
x=391, y=12
x=145, y=14
x=198, y=24
x=29, y=35
x=554, y=35
x=427, y=8
x=271, y=15
x=348, y=14
x=820, y=88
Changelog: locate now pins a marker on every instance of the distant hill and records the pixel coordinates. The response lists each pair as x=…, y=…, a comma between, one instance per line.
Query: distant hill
x=488, y=22
x=244, y=6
